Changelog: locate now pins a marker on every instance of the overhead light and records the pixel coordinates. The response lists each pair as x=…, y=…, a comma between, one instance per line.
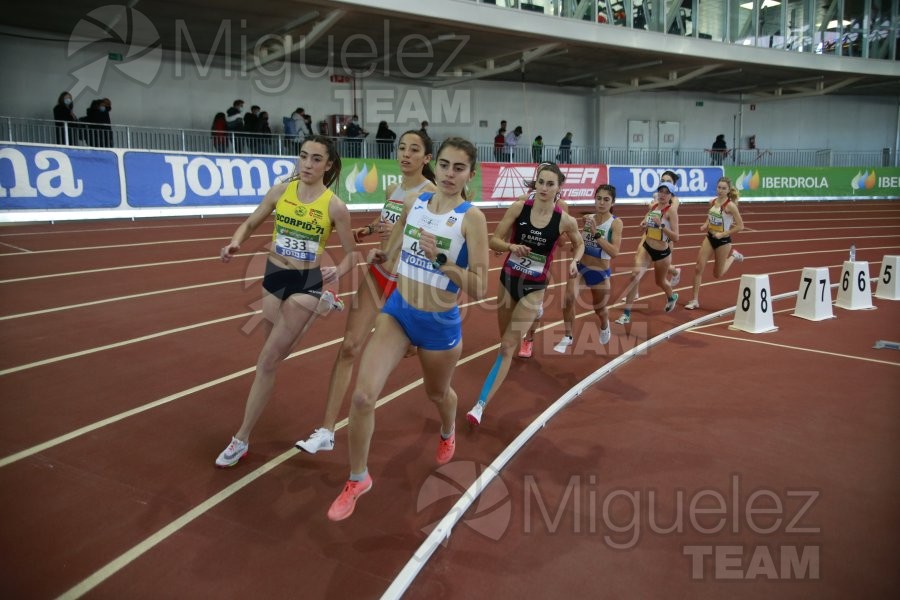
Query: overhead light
x=833, y=24
x=765, y=4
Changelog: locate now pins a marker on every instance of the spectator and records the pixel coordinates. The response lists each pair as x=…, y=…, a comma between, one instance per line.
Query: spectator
x=385, y=139
x=251, y=127
x=220, y=132
x=499, y=143
x=235, y=121
x=565, y=149
x=537, y=149
x=99, y=130
x=264, y=132
x=719, y=150
x=355, y=134
x=64, y=115
x=424, y=129
x=512, y=140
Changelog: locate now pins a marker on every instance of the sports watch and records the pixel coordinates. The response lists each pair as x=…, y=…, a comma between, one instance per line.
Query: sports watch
x=439, y=261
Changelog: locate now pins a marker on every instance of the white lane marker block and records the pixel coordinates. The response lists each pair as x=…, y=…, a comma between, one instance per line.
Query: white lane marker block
x=888, y=288
x=754, y=305
x=814, y=295
x=854, y=291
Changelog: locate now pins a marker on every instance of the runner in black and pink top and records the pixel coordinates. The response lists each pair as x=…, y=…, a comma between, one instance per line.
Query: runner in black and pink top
x=533, y=225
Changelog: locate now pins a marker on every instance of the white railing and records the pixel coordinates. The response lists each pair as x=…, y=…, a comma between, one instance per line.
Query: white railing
x=38, y=131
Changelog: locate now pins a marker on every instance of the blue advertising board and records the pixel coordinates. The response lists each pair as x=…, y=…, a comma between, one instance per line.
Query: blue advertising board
x=160, y=179
x=641, y=182
x=53, y=177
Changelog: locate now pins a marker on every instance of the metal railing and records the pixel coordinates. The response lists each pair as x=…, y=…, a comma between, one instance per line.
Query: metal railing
x=133, y=137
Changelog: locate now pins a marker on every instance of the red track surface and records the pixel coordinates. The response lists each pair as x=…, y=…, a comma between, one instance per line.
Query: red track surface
x=694, y=414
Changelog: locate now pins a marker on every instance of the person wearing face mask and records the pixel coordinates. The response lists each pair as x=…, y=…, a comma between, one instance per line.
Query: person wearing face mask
x=64, y=115
x=99, y=130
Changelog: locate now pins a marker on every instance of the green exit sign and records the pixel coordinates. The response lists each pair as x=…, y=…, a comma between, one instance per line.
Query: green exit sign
x=115, y=56
x=698, y=103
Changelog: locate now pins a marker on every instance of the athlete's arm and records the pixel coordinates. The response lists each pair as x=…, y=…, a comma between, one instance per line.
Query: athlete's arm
x=256, y=218
x=340, y=216
x=499, y=241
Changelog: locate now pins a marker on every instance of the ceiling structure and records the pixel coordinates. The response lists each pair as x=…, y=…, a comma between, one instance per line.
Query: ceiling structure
x=465, y=41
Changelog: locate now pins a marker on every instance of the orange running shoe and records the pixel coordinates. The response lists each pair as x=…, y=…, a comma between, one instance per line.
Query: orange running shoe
x=526, y=349
x=344, y=504
x=446, y=449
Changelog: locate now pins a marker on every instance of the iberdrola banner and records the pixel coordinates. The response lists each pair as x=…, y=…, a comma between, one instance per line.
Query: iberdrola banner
x=816, y=182
x=364, y=181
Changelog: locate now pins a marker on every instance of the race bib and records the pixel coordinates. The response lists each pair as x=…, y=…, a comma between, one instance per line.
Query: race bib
x=296, y=245
x=532, y=265
x=716, y=223
x=654, y=232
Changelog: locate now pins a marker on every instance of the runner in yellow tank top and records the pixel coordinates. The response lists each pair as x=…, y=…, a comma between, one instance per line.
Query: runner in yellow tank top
x=306, y=211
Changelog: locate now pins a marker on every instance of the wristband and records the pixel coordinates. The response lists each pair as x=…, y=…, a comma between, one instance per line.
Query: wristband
x=439, y=261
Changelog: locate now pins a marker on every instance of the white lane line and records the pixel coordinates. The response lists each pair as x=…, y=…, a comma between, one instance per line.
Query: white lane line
x=801, y=349
x=19, y=248
x=129, y=297
x=118, y=246
x=216, y=258
x=167, y=531
x=128, y=342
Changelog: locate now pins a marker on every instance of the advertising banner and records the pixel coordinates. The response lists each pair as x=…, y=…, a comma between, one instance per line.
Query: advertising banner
x=507, y=181
x=157, y=179
x=641, y=182
x=816, y=182
x=53, y=177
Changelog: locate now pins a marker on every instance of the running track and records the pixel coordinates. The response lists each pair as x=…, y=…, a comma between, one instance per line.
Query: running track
x=128, y=354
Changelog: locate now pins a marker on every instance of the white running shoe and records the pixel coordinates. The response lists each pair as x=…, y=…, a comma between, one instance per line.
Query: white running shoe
x=605, y=334
x=624, y=319
x=738, y=257
x=563, y=344
x=474, y=416
x=321, y=439
x=676, y=278
x=328, y=302
x=235, y=451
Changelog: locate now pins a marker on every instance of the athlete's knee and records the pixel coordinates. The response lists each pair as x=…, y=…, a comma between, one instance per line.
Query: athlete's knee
x=362, y=401
x=350, y=348
x=508, y=347
x=269, y=360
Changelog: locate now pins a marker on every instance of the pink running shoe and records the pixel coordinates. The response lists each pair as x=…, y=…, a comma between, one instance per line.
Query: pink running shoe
x=446, y=449
x=344, y=504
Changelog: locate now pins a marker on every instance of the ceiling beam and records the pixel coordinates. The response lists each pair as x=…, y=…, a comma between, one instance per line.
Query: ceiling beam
x=519, y=63
x=656, y=83
x=289, y=47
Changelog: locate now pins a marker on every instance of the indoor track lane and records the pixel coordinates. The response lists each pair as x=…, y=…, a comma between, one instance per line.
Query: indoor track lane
x=86, y=501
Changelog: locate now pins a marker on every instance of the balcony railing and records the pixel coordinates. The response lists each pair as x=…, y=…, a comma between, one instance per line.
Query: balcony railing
x=132, y=137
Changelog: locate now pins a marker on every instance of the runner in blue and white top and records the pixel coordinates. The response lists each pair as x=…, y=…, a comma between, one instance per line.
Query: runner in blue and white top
x=443, y=246
x=602, y=235
x=529, y=232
